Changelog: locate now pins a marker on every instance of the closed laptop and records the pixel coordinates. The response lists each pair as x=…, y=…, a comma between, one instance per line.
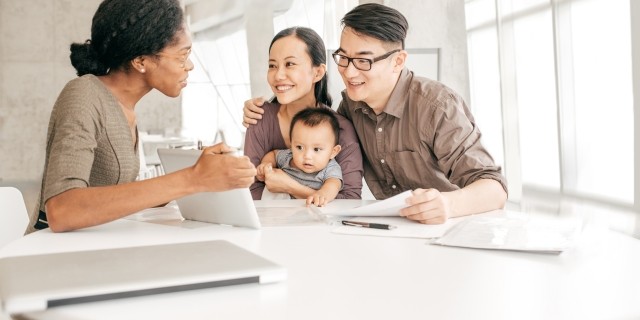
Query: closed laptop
x=38, y=282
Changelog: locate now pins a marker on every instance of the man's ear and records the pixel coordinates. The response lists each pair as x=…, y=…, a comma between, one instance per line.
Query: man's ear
x=399, y=60
x=335, y=151
x=320, y=70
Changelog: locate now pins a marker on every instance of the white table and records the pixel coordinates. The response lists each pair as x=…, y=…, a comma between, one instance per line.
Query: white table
x=358, y=277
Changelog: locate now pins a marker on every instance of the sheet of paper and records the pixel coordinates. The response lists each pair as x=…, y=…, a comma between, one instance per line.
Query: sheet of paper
x=384, y=208
x=289, y=216
x=170, y=212
x=405, y=228
x=513, y=231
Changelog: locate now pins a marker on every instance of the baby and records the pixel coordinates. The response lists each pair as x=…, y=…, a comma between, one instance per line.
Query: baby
x=314, y=134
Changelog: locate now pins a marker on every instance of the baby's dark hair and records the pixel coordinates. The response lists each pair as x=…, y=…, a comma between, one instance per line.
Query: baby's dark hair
x=314, y=116
x=379, y=22
x=123, y=30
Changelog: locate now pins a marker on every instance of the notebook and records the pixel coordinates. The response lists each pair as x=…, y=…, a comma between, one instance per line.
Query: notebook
x=234, y=207
x=38, y=282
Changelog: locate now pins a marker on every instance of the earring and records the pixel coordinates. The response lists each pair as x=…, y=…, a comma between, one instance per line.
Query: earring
x=142, y=70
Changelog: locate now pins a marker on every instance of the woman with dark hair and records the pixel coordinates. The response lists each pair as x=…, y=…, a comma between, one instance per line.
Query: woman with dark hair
x=92, y=156
x=297, y=76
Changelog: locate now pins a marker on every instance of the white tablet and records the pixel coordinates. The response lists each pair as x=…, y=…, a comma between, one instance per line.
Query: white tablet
x=234, y=207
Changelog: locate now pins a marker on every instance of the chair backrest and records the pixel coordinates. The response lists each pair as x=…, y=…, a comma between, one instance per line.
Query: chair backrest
x=13, y=215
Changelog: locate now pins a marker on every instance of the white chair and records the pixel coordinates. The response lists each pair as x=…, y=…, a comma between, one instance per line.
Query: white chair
x=13, y=215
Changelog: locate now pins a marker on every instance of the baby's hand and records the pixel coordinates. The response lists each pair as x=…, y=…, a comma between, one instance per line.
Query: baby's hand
x=262, y=170
x=319, y=199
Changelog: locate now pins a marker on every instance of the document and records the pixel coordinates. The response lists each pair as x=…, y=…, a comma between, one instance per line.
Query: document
x=170, y=212
x=513, y=231
x=289, y=216
x=384, y=208
x=402, y=228
x=292, y=212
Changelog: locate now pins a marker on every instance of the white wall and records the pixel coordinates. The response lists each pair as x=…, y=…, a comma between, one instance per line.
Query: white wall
x=34, y=66
x=439, y=24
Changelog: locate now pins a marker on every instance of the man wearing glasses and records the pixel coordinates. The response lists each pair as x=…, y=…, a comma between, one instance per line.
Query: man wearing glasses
x=416, y=133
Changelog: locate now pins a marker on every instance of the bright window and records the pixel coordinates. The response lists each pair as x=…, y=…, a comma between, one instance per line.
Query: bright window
x=603, y=98
x=571, y=64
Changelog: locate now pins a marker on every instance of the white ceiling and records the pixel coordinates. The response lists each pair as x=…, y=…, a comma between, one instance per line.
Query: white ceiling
x=206, y=15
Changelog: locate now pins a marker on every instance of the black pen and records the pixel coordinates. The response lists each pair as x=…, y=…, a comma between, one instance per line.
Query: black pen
x=368, y=225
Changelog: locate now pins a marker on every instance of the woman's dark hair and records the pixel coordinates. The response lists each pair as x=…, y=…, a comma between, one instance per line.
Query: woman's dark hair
x=318, y=54
x=123, y=30
x=312, y=117
x=377, y=21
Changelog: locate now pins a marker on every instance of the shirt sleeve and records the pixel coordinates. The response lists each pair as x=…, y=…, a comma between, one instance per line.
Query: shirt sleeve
x=283, y=157
x=333, y=170
x=75, y=126
x=457, y=146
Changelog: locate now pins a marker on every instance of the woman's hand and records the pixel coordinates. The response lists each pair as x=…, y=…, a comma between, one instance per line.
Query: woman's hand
x=262, y=169
x=217, y=170
x=277, y=181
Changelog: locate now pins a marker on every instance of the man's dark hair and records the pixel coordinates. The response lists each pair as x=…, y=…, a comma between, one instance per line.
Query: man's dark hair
x=318, y=54
x=312, y=117
x=123, y=30
x=377, y=21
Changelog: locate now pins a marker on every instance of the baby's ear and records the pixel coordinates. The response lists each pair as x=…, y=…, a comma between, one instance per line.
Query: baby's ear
x=335, y=151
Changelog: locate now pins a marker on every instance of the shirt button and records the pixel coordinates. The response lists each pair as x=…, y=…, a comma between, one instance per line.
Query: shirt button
x=379, y=129
x=393, y=186
x=381, y=160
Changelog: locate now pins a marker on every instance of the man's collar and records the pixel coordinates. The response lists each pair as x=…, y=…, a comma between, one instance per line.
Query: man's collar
x=395, y=105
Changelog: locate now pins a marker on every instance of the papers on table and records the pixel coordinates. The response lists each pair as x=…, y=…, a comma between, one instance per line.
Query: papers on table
x=292, y=212
x=384, y=208
x=170, y=212
x=513, y=231
x=288, y=216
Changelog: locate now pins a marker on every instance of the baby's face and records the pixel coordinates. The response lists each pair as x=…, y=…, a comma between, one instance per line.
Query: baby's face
x=312, y=147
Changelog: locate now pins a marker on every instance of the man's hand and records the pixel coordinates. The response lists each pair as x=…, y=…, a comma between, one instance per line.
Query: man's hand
x=428, y=206
x=218, y=171
x=252, y=111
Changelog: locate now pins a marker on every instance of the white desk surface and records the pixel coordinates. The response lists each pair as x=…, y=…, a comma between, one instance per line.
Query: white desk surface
x=335, y=276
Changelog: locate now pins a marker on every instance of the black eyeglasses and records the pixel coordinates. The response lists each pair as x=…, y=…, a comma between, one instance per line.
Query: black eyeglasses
x=363, y=64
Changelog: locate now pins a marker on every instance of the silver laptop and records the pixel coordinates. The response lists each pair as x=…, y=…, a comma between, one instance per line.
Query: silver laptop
x=38, y=282
x=234, y=207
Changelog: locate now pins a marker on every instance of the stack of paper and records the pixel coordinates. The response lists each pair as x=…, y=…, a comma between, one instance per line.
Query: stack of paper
x=382, y=212
x=513, y=231
x=384, y=208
